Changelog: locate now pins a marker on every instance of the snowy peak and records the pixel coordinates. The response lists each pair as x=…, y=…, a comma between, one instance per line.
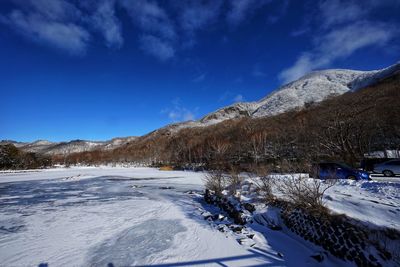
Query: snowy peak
x=317, y=86
x=311, y=88
x=230, y=112
x=367, y=78
x=74, y=146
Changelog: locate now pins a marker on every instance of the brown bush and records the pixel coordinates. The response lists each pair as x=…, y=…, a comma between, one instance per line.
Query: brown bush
x=305, y=193
x=215, y=181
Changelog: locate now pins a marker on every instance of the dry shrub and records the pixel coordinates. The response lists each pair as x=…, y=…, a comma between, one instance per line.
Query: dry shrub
x=215, y=181
x=234, y=181
x=166, y=168
x=304, y=192
x=261, y=176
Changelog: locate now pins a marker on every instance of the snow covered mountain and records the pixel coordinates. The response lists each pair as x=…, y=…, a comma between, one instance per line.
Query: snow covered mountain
x=74, y=146
x=311, y=88
x=317, y=86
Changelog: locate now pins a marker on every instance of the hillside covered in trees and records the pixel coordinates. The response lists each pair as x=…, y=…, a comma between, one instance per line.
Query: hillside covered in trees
x=341, y=128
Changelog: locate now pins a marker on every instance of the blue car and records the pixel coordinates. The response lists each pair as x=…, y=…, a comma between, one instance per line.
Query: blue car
x=334, y=170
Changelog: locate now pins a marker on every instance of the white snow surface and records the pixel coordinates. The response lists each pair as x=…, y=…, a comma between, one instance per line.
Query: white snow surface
x=374, y=202
x=143, y=216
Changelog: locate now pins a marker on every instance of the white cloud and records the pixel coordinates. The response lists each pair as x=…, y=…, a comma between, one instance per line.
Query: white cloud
x=238, y=98
x=105, y=21
x=302, y=66
x=339, y=43
x=343, y=29
x=156, y=47
x=229, y=97
x=63, y=24
x=257, y=72
x=338, y=11
x=67, y=36
x=300, y=31
x=178, y=113
x=279, y=12
x=58, y=10
x=188, y=115
x=150, y=17
x=199, y=78
x=164, y=27
x=159, y=34
x=198, y=14
x=241, y=9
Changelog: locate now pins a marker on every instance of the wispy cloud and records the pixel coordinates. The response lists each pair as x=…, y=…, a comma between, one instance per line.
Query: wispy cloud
x=150, y=17
x=157, y=47
x=177, y=112
x=238, y=98
x=65, y=24
x=335, y=12
x=300, y=31
x=231, y=97
x=163, y=27
x=258, y=72
x=344, y=29
x=242, y=9
x=199, y=78
x=104, y=20
x=66, y=36
x=195, y=15
x=279, y=12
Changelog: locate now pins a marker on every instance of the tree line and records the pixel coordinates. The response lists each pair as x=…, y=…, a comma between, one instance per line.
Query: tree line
x=341, y=128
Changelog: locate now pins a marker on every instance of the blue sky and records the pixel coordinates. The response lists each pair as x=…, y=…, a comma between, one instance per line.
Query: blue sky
x=99, y=69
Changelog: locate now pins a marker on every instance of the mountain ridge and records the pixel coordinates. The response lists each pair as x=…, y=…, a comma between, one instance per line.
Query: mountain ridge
x=313, y=87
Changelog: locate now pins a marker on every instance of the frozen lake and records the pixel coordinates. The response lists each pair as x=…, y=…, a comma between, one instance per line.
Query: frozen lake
x=101, y=216
x=118, y=220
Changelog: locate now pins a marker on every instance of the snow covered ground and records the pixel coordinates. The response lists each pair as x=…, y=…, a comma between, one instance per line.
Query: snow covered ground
x=376, y=202
x=143, y=216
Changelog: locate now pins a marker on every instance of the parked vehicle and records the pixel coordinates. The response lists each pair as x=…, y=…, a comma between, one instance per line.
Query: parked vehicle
x=336, y=170
x=367, y=164
x=388, y=168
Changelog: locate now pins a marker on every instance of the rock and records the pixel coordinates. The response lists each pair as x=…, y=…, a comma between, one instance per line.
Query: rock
x=250, y=236
x=221, y=228
x=318, y=257
x=207, y=215
x=372, y=258
x=275, y=227
x=248, y=206
x=215, y=217
x=166, y=187
x=237, y=229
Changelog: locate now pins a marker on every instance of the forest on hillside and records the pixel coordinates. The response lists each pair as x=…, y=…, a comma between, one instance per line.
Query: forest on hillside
x=341, y=128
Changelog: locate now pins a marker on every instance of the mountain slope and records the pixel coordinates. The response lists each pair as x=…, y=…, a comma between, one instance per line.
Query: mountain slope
x=318, y=86
x=311, y=88
x=74, y=146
